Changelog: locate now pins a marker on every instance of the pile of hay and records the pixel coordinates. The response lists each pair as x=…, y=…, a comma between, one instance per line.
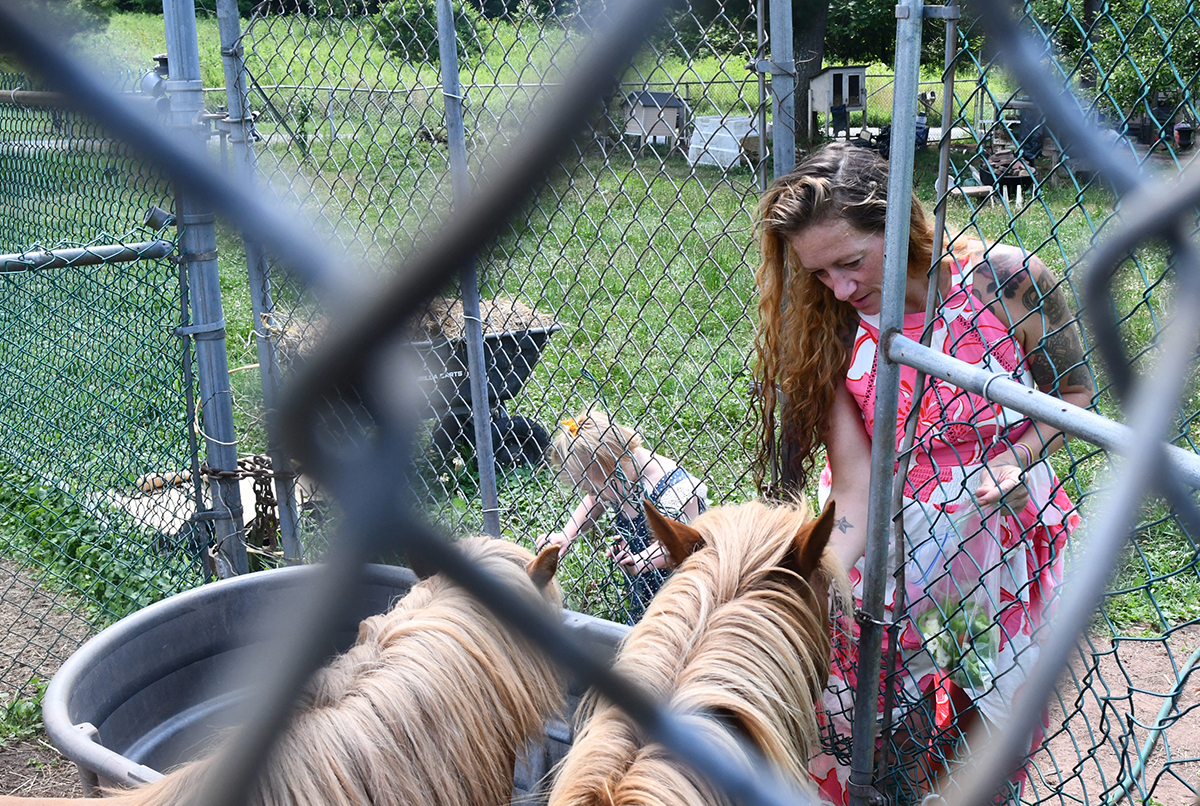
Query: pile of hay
x=444, y=318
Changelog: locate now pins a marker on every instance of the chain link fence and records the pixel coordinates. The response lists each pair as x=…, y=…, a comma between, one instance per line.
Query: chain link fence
x=1115, y=730
x=97, y=403
x=626, y=285
x=623, y=286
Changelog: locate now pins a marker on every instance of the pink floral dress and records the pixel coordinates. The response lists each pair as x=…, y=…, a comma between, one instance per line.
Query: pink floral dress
x=977, y=583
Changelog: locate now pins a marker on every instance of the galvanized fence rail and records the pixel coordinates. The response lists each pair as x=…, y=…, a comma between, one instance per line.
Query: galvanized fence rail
x=634, y=264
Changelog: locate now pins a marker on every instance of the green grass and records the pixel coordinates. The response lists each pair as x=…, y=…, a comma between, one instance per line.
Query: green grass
x=21, y=716
x=646, y=263
x=91, y=551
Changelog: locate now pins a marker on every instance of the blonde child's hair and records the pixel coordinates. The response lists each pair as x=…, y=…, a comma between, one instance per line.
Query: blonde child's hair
x=591, y=441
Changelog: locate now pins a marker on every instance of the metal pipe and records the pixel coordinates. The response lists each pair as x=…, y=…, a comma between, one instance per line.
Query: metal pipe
x=782, y=67
x=910, y=427
x=887, y=385
x=85, y=256
x=198, y=249
x=58, y=100
x=241, y=135
x=1087, y=425
x=460, y=180
x=761, y=171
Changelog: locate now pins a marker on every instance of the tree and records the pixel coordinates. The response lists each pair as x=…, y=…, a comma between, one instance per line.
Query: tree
x=861, y=31
x=809, y=18
x=1128, y=54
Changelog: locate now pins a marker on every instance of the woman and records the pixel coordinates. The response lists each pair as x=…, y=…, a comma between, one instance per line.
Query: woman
x=985, y=519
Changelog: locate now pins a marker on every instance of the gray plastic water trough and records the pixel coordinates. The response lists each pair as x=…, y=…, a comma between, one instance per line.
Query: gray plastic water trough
x=151, y=691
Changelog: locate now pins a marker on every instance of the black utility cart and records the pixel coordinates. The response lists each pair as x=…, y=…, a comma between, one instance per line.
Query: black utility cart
x=510, y=357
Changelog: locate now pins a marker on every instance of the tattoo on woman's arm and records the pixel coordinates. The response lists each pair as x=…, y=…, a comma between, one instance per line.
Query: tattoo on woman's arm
x=1059, y=359
x=1008, y=270
x=1043, y=293
x=843, y=525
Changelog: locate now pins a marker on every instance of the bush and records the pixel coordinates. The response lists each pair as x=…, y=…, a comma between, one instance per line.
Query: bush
x=408, y=29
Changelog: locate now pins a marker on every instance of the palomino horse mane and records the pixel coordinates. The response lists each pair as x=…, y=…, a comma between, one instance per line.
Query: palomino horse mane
x=431, y=705
x=740, y=631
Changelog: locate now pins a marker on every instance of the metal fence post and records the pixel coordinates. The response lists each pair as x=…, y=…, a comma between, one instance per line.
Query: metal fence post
x=198, y=249
x=782, y=67
x=760, y=10
x=887, y=385
x=241, y=129
x=460, y=181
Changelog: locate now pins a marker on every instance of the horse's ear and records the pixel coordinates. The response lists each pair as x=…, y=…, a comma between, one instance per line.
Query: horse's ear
x=679, y=539
x=809, y=543
x=422, y=569
x=541, y=569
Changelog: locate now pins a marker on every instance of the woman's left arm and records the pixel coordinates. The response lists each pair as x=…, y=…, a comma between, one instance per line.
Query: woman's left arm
x=1026, y=296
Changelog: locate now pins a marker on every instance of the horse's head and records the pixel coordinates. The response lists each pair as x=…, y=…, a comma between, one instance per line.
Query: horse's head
x=804, y=559
x=497, y=556
x=741, y=628
x=805, y=540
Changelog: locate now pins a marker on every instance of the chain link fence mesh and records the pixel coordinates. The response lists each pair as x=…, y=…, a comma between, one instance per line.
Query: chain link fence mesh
x=623, y=286
x=94, y=427
x=627, y=285
x=1116, y=729
x=642, y=260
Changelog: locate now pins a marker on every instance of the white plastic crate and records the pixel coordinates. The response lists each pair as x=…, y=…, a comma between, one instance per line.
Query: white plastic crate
x=717, y=140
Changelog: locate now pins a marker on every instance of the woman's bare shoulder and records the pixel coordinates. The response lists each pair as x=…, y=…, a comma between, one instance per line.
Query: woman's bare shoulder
x=1001, y=272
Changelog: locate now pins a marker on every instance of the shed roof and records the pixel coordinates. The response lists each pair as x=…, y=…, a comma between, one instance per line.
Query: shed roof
x=662, y=100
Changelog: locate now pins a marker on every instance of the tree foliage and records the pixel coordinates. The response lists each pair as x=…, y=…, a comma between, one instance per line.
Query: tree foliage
x=408, y=28
x=1131, y=54
x=861, y=31
x=66, y=18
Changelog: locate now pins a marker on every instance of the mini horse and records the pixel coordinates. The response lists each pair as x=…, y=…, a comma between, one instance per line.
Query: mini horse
x=431, y=705
x=740, y=631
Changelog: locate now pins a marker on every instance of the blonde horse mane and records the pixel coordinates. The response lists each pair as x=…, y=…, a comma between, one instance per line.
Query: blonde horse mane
x=739, y=631
x=431, y=705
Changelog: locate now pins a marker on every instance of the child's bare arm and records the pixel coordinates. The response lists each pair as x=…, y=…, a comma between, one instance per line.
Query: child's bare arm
x=579, y=521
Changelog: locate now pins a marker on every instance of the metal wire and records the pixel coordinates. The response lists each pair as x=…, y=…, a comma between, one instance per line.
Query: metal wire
x=349, y=422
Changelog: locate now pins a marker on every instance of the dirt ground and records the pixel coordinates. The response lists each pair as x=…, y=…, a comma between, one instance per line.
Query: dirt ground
x=35, y=768
x=1135, y=679
x=40, y=631
x=43, y=630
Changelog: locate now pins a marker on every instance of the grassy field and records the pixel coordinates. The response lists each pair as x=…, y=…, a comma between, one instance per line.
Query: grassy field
x=645, y=262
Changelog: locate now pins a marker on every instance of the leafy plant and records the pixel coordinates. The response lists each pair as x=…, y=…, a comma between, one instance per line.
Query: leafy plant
x=21, y=718
x=408, y=29
x=117, y=568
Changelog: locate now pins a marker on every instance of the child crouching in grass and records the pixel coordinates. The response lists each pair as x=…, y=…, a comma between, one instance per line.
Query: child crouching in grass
x=613, y=470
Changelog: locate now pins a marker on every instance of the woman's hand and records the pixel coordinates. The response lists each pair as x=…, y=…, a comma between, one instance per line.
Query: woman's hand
x=559, y=539
x=1002, y=482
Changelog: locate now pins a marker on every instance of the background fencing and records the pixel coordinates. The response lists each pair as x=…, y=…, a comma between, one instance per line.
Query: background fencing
x=637, y=261
x=96, y=392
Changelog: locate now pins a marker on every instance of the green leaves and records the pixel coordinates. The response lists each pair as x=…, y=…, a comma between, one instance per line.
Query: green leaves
x=408, y=29
x=116, y=568
x=21, y=718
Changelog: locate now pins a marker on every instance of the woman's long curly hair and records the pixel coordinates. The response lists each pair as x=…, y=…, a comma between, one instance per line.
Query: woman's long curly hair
x=803, y=329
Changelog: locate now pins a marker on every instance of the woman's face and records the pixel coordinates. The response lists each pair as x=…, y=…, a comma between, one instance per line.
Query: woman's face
x=845, y=259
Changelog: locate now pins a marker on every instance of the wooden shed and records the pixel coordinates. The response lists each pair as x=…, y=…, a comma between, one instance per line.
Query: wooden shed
x=836, y=87
x=655, y=114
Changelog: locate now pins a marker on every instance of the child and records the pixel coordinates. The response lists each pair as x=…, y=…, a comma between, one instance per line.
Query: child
x=613, y=469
